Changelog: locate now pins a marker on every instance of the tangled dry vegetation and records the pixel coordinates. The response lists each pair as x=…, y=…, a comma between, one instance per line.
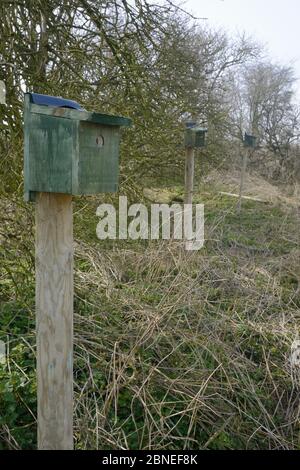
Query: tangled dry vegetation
x=173, y=350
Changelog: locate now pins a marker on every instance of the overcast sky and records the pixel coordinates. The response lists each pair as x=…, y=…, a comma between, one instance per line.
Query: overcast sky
x=275, y=23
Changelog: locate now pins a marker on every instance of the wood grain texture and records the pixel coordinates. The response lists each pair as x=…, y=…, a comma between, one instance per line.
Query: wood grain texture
x=98, y=165
x=54, y=315
x=243, y=176
x=50, y=153
x=69, y=156
x=189, y=175
x=81, y=115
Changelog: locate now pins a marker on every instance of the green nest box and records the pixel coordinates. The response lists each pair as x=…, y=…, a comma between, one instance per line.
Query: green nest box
x=67, y=149
x=194, y=136
x=249, y=141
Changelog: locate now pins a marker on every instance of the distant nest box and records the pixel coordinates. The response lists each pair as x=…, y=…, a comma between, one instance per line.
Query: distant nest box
x=194, y=135
x=67, y=149
x=250, y=140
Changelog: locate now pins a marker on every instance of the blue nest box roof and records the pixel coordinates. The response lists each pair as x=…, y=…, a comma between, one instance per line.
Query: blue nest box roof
x=55, y=101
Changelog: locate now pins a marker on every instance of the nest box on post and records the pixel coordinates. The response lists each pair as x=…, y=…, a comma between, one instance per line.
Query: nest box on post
x=67, y=149
x=194, y=136
x=249, y=141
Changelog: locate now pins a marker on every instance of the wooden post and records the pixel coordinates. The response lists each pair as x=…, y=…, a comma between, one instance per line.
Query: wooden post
x=189, y=175
x=54, y=310
x=2, y=92
x=242, y=181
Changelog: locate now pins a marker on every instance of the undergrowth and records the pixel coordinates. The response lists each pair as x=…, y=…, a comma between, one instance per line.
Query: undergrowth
x=173, y=350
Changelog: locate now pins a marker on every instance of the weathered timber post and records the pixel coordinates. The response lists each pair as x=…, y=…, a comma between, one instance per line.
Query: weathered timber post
x=54, y=320
x=194, y=138
x=2, y=92
x=249, y=144
x=67, y=151
x=189, y=175
x=244, y=159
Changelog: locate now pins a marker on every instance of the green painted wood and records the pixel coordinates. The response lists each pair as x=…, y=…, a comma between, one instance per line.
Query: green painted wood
x=250, y=141
x=66, y=154
x=194, y=138
x=98, y=165
x=75, y=114
x=51, y=149
x=27, y=195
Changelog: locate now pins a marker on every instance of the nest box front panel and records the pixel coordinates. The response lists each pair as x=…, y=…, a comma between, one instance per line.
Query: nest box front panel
x=199, y=139
x=98, y=159
x=50, y=153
